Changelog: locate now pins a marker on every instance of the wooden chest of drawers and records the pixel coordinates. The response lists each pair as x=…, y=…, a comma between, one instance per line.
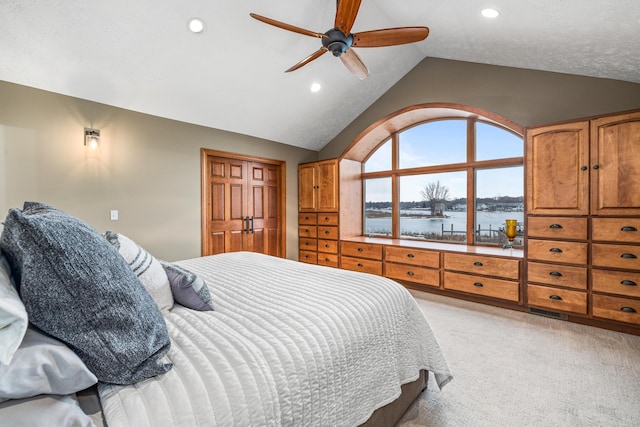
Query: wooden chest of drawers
x=412, y=265
x=482, y=275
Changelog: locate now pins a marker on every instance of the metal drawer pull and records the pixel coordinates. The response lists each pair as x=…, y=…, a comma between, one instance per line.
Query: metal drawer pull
x=326, y=218
x=360, y=264
x=327, y=232
x=360, y=249
x=327, y=245
x=410, y=256
x=628, y=256
x=628, y=228
x=555, y=226
x=555, y=297
x=628, y=283
x=628, y=309
x=555, y=274
x=478, y=285
x=477, y=264
x=327, y=259
x=556, y=250
x=410, y=273
x=307, y=243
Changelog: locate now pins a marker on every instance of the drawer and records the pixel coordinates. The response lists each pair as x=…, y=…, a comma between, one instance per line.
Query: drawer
x=485, y=286
x=560, y=275
x=362, y=250
x=308, y=257
x=411, y=273
x=616, y=282
x=557, y=227
x=362, y=265
x=330, y=246
x=307, y=219
x=412, y=256
x=616, y=256
x=558, y=251
x=327, y=232
x=308, y=244
x=615, y=308
x=330, y=260
x=616, y=229
x=327, y=219
x=557, y=299
x=489, y=266
x=307, y=231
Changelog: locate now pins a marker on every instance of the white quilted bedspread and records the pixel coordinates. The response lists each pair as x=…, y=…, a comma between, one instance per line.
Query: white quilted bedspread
x=289, y=344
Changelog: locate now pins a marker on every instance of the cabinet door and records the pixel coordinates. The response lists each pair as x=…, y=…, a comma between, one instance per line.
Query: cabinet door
x=615, y=174
x=307, y=188
x=558, y=169
x=327, y=186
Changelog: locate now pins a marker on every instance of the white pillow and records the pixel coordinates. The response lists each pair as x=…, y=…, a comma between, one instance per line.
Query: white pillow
x=13, y=316
x=43, y=365
x=44, y=411
x=146, y=267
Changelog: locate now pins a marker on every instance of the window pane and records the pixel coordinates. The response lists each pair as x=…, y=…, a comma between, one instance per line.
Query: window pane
x=493, y=142
x=377, y=207
x=380, y=160
x=434, y=143
x=499, y=196
x=433, y=207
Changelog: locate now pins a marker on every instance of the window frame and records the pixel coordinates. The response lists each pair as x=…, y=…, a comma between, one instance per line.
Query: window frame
x=470, y=166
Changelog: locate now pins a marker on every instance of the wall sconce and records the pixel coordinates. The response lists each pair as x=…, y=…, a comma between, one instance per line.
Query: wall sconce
x=91, y=138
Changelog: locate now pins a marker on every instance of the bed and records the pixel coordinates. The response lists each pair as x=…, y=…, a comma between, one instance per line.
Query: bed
x=287, y=344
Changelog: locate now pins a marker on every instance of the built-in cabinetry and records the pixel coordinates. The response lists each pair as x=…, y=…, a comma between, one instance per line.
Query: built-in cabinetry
x=582, y=245
x=488, y=272
x=583, y=218
x=318, y=219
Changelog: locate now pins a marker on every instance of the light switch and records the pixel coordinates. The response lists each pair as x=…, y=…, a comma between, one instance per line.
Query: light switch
x=114, y=215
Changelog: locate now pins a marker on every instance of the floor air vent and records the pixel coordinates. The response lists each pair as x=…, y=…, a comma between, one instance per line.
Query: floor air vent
x=547, y=313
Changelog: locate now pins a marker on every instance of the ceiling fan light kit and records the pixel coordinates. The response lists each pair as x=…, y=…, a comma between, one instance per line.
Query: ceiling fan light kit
x=339, y=40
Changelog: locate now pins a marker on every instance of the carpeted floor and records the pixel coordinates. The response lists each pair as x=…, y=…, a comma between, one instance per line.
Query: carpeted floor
x=519, y=369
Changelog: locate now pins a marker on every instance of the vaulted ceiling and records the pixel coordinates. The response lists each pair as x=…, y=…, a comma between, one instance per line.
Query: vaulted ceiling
x=140, y=56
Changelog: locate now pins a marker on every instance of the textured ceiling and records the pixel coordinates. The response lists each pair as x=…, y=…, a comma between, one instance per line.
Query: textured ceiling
x=139, y=55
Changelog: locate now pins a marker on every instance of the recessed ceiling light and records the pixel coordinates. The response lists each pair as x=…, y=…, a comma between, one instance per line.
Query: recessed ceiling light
x=490, y=13
x=315, y=87
x=196, y=25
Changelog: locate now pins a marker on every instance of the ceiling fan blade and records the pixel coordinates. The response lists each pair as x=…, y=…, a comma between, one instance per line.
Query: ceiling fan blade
x=346, y=15
x=352, y=61
x=318, y=53
x=390, y=36
x=285, y=26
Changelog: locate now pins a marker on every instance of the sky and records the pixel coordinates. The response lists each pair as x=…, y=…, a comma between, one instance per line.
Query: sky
x=444, y=142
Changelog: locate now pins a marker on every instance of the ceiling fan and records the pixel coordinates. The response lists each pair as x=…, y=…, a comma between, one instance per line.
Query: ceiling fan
x=339, y=40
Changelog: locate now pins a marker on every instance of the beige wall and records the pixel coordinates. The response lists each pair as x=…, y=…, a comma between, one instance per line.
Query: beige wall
x=148, y=168
x=526, y=97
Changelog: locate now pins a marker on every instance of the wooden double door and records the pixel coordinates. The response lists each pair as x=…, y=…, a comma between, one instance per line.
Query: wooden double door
x=242, y=204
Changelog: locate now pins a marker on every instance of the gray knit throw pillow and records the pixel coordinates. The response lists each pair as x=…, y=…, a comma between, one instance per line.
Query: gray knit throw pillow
x=77, y=287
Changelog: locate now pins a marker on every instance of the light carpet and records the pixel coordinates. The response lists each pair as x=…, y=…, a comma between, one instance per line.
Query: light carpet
x=518, y=369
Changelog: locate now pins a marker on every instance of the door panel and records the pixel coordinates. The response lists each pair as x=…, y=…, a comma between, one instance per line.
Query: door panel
x=242, y=210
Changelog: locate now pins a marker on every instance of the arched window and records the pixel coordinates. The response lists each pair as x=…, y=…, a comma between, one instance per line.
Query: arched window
x=455, y=176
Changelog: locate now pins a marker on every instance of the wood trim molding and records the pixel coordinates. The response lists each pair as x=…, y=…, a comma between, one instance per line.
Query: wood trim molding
x=380, y=130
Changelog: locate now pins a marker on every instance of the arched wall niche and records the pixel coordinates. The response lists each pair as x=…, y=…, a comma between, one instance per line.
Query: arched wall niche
x=379, y=131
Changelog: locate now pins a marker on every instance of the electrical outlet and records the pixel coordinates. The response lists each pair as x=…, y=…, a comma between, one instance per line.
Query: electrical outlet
x=114, y=215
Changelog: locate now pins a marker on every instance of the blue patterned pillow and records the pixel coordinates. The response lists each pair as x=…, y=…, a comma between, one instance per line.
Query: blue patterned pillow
x=77, y=288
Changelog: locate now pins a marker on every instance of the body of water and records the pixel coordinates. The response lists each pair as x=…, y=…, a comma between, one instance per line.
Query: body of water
x=454, y=220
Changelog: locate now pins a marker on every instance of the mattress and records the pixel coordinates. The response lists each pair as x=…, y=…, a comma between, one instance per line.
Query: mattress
x=289, y=344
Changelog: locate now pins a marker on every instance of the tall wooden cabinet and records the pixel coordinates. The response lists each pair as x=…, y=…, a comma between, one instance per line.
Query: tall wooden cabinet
x=583, y=218
x=318, y=220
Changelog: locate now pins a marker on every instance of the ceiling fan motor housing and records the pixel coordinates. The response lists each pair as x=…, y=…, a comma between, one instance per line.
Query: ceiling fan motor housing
x=337, y=42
